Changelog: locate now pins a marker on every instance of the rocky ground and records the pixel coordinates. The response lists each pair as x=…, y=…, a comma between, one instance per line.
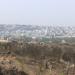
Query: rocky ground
x=8, y=66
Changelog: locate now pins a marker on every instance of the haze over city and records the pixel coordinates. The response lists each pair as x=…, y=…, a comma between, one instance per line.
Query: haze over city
x=37, y=12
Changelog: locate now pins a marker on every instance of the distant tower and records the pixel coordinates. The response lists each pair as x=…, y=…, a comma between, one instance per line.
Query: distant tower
x=46, y=31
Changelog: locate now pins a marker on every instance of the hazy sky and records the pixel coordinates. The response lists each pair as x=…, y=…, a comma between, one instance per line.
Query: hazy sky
x=37, y=12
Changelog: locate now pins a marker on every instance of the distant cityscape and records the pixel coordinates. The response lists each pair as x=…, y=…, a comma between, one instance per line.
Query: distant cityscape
x=33, y=31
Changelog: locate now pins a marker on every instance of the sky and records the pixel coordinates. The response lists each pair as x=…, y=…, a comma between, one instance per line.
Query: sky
x=37, y=12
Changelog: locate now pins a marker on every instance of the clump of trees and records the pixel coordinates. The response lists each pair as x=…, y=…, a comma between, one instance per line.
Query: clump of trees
x=60, y=51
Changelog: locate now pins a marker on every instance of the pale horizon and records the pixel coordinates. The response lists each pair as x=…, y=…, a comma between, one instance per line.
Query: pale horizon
x=37, y=12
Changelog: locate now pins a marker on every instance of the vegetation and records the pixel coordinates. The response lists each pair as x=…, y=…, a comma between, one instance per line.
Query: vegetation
x=45, y=59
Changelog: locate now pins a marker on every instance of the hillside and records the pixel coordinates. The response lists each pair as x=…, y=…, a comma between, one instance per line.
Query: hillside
x=38, y=59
